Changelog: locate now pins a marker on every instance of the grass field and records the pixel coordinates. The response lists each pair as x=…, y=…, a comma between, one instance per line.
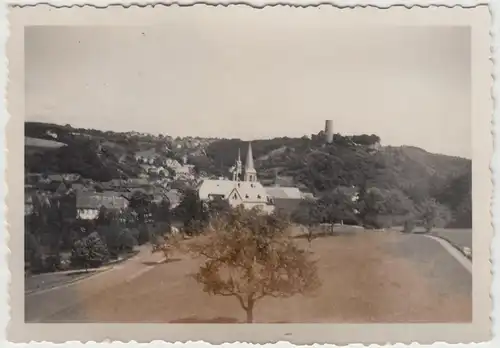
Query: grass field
x=366, y=277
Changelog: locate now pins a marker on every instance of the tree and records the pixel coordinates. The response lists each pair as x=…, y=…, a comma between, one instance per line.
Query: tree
x=434, y=214
x=338, y=205
x=166, y=245
x=192, y=212
x=308, y=213
x=250, y=255
x=217, y=206
x=140, y=202
x=383, y=207
x=89, y=251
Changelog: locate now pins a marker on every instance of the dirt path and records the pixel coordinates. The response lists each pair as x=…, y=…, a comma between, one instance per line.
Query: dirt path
x=367, y=277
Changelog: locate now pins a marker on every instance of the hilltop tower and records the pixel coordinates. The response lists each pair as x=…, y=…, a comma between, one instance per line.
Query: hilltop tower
x=329, y=131
x=250, y=172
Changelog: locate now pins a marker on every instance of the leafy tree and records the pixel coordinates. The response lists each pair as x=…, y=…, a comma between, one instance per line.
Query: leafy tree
x=166, y=245
x=434, y=214
x=250, y=255
x=376, y=204
x=338, y=205
x=89, y=251
x=161, y=211
x=141, y=203
x=309, y=213
x=192, y=212
x=145, y=234
x=217, y=207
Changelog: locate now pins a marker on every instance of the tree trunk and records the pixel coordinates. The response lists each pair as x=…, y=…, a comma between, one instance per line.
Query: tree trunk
x=249, y=311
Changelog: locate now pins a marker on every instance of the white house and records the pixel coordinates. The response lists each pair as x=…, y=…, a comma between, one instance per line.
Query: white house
x=88, y=204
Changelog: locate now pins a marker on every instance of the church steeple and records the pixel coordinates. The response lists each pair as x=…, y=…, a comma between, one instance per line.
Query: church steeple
x=250, y=172
x=237, y=168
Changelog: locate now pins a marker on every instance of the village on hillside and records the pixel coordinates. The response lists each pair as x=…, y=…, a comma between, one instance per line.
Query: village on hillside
x=105, y=202
x=256, y=171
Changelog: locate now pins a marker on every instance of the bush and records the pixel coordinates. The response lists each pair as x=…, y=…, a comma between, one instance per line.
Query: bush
x=145, y=235
x=127, y=241
x=89, y=252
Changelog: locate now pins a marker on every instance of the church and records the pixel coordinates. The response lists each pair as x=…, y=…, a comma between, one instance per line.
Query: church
x=244, y=188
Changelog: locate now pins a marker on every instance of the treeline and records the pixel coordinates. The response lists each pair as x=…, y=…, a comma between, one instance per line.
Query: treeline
x=372, y=208
x=84, y=157
x=352, y=162
x=53, y=230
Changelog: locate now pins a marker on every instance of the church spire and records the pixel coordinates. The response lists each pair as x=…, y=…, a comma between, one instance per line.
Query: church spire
x=249, y=160
x=250, y=172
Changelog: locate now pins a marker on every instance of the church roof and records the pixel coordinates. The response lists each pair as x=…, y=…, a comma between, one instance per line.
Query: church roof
x=248, y=191
x=284, y=192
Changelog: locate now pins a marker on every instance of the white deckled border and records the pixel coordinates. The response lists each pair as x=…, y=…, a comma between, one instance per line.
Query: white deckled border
x=495, y=8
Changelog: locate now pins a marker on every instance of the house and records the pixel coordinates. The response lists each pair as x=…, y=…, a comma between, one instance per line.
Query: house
x=136, y=182
x=88, y=204
x=71, y=177
x=56, y=178
x=247, y=192
x=79, y=187
x=28, y=204
x=286, y=199
x=32, y=178
x=147, y=157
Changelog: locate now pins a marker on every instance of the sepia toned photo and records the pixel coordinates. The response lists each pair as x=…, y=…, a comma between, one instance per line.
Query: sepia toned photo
x=234, y=166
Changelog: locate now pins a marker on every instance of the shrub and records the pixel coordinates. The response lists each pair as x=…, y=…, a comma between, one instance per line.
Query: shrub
x=89, y=252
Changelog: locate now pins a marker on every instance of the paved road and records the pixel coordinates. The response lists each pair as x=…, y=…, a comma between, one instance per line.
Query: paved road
x=447, y=273
x=459, y=237
x=41, y=304
x=49, y=280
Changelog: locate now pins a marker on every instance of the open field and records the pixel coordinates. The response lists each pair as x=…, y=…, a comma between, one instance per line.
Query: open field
x=366, y=277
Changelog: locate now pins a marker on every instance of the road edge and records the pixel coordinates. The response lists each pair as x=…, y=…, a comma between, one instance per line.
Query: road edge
x=457, y=255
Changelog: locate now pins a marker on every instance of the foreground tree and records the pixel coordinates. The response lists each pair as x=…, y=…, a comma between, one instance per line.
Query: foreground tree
x=250, y=255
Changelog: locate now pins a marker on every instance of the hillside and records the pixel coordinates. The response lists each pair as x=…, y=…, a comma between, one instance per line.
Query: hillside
x=316, y=167
x=305, y=162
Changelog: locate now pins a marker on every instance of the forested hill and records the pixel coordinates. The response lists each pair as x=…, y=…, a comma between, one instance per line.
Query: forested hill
x=354, y=161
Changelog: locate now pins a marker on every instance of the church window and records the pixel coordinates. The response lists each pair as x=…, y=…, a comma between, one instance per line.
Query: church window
x=235, y=197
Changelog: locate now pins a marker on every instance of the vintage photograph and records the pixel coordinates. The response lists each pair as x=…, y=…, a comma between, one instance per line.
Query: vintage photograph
x=167, y=180
x=236, y=169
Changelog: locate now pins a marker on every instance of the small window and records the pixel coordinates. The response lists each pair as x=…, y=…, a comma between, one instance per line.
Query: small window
x=235, y=197
x=246, y=196
x=258, y=196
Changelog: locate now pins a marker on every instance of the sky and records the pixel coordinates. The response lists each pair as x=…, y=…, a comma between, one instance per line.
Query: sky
x=254, y=77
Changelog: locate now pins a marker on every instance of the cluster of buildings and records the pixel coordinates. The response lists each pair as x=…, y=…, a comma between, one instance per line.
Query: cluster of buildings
x=244, y=188
x=89, y=196
x=159, y=176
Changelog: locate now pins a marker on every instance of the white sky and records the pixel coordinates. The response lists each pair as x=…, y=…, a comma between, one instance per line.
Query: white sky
x=252, y=77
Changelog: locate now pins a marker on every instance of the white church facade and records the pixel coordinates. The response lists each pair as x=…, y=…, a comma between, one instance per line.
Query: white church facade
x=244, y=188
